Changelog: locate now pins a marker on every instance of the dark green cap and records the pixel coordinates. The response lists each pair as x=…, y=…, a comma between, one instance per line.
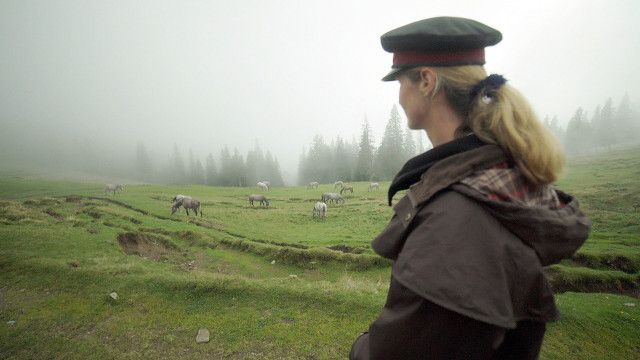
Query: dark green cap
x=439, y=41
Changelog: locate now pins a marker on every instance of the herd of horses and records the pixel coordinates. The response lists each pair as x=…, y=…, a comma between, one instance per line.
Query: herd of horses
x=319, y=208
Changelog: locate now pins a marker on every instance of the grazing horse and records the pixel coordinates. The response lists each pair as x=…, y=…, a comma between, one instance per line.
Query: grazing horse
x=111, y=187
x=187, y=202
x=268, y=183
x=338, y=184
x=261, y=198
x=346, y=187
x=320, y=210
x=263, y=186
x=373, y=186
x=326, y=197
x=313, y=185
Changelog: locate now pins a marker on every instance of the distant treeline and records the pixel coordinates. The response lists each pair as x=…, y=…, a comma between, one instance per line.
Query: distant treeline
x=361, y=161
x=608, y=126
x=232, y=170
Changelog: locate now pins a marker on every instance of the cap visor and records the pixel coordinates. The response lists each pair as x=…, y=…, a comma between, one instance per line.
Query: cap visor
x=392, y=75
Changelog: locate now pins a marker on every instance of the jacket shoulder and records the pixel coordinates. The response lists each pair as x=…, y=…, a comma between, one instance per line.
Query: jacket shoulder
x=458, y=256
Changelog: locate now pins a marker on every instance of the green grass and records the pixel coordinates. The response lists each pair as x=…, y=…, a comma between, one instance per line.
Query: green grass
x=263, y=280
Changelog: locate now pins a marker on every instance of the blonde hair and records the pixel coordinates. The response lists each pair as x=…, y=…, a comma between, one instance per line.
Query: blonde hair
x=502, y=117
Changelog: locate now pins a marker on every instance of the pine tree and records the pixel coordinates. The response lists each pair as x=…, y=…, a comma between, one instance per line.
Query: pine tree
x=273, y=174
x=409, y=145
x=341, y=161
x=606, y=129
x=225, y=176
x=627, y=128
x=556, y=129
x=255, y=165
x=192, y=169
x=364, y=165
x=178, y=170
x=198, y=173
x=390, y=156
x=211, y=174
x=239, y=177
x=302, y=168
x=578, y=135
x=319, y=162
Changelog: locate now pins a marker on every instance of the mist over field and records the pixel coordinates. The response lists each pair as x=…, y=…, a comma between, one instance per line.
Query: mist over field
x=85, y=85
x=204, y=179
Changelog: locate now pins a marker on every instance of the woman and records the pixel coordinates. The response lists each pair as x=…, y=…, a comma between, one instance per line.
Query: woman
x=480, y=218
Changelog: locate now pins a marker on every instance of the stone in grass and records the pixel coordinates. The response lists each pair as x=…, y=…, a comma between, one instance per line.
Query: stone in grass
x=273, y=262
x=630, y=304
x=203, y=336
x=11, y=322
x=114, y=295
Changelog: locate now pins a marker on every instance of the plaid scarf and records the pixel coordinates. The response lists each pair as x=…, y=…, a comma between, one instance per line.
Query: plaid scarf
x=505, y=183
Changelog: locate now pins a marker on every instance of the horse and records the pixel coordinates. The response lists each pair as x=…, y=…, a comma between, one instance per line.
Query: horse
x=346, y=187
x=263, y=186
x=326, y=197
x=320, y=210
x=261, y=198
x=187, y=202
x=111, y=187
x=374, y=185
x=338, y=184
x=313, y=185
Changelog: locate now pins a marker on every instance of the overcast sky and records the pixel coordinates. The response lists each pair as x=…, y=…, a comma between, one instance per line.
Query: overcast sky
x=208, y=73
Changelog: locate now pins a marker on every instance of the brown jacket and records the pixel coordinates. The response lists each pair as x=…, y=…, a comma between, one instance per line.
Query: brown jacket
x=467, y=279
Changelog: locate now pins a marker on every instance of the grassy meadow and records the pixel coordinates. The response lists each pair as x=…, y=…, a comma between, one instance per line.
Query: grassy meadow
x=267, y=282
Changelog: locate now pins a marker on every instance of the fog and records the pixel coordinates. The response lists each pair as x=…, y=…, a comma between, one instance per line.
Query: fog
x=105, y=75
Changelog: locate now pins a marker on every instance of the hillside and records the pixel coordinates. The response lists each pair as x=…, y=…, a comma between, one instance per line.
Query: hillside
x=268, y=282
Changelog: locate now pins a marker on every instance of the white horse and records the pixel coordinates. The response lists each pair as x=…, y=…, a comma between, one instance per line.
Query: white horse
x=338, y=184
x=113, y=188
x=262, y=186
x=320, y=210
x=374, y=185
x=313, y=185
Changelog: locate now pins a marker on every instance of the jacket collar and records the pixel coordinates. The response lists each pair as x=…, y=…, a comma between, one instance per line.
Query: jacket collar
x=452, y=169
x=415, y=167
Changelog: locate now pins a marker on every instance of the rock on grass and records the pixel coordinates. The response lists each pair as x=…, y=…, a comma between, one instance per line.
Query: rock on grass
x=203, y=336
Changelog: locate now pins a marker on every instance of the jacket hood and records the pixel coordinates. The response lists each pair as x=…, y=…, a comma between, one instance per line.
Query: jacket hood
x=554, y=232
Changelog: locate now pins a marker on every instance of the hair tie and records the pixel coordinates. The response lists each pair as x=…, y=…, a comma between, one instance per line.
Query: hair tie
x=489, y=85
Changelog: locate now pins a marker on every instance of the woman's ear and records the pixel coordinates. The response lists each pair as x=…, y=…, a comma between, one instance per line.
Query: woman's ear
x=427, y=82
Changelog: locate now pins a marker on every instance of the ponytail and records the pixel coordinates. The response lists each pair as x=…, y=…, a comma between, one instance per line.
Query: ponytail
x=501, y=115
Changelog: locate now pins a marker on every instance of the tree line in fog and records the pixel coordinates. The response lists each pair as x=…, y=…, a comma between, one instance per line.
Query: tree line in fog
x=607, y=126
x=231, y=169
x=361, y=160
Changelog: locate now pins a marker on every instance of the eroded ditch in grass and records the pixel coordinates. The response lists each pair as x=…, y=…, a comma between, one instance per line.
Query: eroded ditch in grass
x=615, y=262
x=627, y=282
x=146, y=245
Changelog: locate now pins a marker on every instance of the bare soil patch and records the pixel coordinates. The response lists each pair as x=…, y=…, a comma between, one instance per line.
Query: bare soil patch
x=151, y=246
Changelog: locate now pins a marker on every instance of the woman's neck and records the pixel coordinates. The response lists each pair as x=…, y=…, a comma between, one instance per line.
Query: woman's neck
x=444, y=123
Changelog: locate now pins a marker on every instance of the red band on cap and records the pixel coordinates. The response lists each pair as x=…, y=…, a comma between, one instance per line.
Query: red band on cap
x=415, y=58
